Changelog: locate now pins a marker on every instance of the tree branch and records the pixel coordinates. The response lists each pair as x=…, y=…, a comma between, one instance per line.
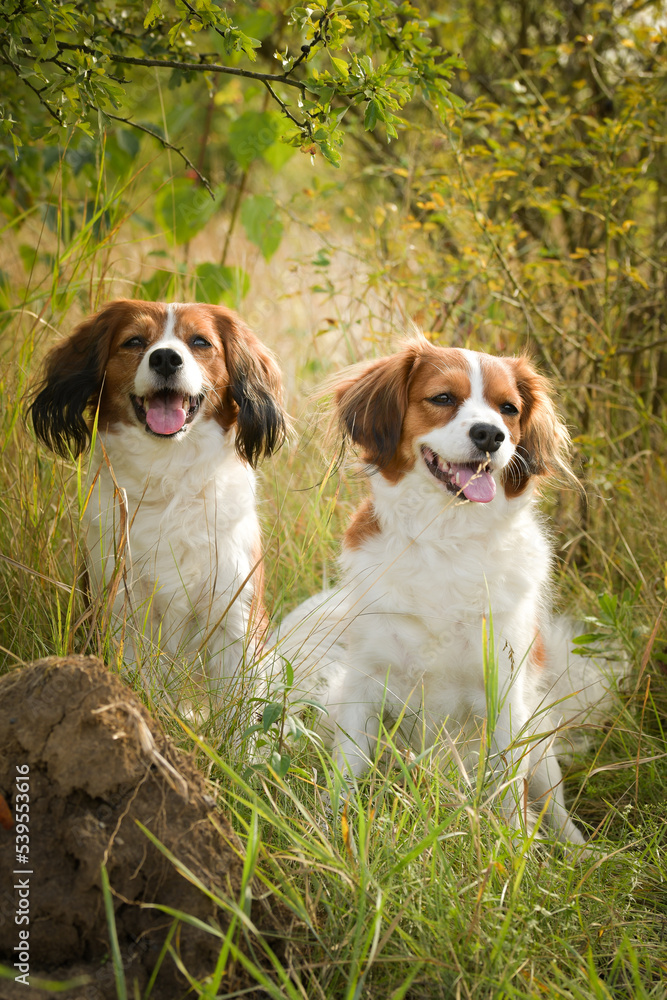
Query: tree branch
x=167, y=145
x=204, y=68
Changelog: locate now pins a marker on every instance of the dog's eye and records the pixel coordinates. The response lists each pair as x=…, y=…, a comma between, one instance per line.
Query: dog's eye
x=134, y=342
x=199, y=342
x=443, y=399
x=509, y=409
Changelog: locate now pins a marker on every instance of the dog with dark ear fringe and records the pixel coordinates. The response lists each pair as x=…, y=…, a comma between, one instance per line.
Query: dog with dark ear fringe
x=442, y=617
x=185, y=400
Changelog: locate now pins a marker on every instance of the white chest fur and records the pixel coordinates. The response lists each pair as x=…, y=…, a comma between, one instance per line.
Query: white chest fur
x=451, y=563
x=182, y=516
x=420, y=589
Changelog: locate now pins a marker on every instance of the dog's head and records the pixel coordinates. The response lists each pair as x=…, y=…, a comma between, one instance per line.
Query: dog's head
x=162, y=368
x=465, y=420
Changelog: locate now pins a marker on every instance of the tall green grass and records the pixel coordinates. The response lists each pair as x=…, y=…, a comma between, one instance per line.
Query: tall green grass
x=414, y=888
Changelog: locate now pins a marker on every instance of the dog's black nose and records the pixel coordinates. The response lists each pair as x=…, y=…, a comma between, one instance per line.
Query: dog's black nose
x=486, y=437
x=165, y=361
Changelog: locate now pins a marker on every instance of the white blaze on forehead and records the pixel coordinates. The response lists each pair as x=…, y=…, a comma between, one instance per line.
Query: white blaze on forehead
x=476, y=407
x=168, y=336
x=484, y=370
x=170, y=325
x=476, y=376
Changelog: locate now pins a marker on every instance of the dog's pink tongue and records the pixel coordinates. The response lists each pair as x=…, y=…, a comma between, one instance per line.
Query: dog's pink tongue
x=480, y=487
x=165, y=414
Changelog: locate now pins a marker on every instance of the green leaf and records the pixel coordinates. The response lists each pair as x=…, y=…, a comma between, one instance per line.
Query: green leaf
x=121, y=151
x=340, y=67
x=255, y=23
x=608, y=605
x=51, y=48
x=371, y=116
x=216, y=284
x=154, y=12
x=259, y=216
x=277, y=155
x=329, y=153
x=280, y=763
x=128, y=141
x=587, y=639
x=246, y=44
x=251, y=134
x=175, y=30
x=183, y=208
x=160, y=287
x=272, y=712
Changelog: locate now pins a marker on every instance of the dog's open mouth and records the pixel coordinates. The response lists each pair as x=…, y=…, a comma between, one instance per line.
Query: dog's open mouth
x=166, y=413
x=472, y=479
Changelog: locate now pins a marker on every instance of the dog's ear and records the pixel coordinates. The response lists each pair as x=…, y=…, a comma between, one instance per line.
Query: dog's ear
x=254, y=394
x=371, y=400
x=73, y=378
x=544, y=444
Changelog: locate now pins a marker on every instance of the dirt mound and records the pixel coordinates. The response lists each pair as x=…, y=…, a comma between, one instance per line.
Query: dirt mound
x=95, y=763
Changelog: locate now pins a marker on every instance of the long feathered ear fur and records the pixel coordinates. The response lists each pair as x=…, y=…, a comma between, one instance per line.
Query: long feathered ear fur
x=371, y=400
x=73, y=378
x=254, y=395
x=544, y=445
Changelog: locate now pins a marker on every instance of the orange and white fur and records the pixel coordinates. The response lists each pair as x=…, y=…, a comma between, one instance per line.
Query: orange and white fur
x=187, y=400
x=448, y=544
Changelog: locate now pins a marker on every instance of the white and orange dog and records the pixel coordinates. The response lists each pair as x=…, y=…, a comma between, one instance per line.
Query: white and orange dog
x=448, y=548
x=187, y=400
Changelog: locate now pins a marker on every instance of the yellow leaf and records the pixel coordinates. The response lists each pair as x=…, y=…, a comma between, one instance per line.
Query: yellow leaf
x=340, y=66
x=345, y=830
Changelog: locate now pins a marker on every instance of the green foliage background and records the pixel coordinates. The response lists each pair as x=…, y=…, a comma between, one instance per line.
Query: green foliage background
x=496, y=173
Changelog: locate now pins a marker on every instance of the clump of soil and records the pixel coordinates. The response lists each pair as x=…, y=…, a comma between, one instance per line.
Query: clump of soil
x=97, y=763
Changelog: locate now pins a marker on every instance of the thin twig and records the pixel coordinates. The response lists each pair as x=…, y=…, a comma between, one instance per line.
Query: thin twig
x=642, y=347
x=286, y=111
x=306, y=50
x=38, y=93
x=167, y=145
